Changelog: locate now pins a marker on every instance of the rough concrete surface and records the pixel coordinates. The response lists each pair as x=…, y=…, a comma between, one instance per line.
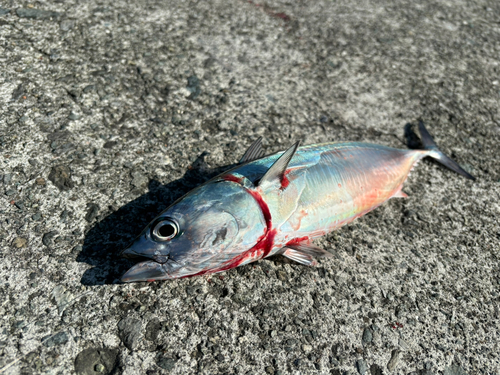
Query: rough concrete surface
x=110, y=110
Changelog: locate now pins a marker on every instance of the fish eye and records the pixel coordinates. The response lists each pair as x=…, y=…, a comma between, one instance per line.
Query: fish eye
x=165, y=230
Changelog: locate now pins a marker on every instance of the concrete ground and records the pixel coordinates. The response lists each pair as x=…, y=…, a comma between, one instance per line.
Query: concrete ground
x=110, y=110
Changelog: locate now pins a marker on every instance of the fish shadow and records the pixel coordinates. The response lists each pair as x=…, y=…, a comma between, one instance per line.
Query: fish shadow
x=105, y=241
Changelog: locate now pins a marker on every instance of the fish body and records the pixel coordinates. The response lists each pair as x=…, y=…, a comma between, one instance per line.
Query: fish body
x=275, y=204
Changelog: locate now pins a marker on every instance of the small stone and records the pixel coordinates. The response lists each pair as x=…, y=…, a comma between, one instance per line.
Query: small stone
x=454, y=370
x=393, y=362
x=7, y=178
x=361, y=366
x=307, y=348
x=4, y=11
x=282, y=275
x=99, y=368
x=375, y=370
x=152, y=329
x=36, y=217
x=196, y=354
x=19, y=204
x=19, y=242
x=10, y=192
x=92, y=212
x=62, y=297
x=90, y=361
x=139, y=180
x=270, y=370
x=402, y=343
x=37, y=14
x=130, y=332
x=110, y=144
x=60, y=176
x=166, y=363
x=67, y=25
x=64, y=216
x=367, y=336
x=74, y=116
x=193, y=86
x=48, y=237
x=40, y=181
x=60, y=338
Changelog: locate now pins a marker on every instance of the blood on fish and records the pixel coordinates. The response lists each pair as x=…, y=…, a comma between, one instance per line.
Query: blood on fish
x=264, y=243
x=232, y=178
x=263, y=206
x=297, y=241
x=302, y=214
x=285, y=181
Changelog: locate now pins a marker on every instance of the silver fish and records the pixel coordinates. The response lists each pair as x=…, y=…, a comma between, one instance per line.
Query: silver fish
x=275, y=204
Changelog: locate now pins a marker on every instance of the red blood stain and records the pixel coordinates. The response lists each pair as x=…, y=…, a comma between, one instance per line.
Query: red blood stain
x=263, y=206
x=263, y=246
x=270, y=12
x=297, y=241
x=285, y=181
x=340, y=185
x=260, y=250
x=233, y=178
x=283, y=16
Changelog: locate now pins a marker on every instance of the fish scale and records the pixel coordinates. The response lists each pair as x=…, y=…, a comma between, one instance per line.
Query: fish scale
x=276, y=204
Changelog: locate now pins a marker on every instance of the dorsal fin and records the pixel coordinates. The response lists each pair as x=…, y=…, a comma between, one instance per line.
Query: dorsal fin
x=254, y=152
x=276, y=172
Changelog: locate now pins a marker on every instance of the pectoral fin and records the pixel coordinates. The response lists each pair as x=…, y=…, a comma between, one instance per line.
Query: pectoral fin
x=311, y=250
x=299, y=257
x=305, y=253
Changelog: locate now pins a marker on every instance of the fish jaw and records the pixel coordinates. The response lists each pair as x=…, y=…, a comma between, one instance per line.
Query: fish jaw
x=146, y=271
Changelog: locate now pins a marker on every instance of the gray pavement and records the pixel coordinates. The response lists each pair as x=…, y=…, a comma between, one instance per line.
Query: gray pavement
x=110, y=110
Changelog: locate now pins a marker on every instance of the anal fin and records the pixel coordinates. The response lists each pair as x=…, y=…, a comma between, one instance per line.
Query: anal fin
x=400, y=194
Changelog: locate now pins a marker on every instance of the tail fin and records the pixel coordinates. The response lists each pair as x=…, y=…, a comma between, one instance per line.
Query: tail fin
x=438, y=155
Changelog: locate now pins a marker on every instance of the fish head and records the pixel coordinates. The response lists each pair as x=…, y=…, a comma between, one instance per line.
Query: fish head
x=198, y=234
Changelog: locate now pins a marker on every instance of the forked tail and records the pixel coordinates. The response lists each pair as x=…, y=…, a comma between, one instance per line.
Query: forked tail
x=438, y=155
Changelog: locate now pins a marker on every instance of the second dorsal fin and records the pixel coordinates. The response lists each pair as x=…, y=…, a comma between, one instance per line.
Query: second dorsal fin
x=254, y=152
x=276, y=172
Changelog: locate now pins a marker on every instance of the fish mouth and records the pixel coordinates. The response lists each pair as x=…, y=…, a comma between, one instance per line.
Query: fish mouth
x=146, y=271
x=151, y=266
x=143, y=248
x=130, y=253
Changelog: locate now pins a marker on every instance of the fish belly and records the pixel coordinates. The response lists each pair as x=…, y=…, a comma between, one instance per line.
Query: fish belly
x=341, y=183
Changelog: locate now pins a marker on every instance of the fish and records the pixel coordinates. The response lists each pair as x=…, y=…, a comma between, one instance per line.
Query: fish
x=274, y=205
